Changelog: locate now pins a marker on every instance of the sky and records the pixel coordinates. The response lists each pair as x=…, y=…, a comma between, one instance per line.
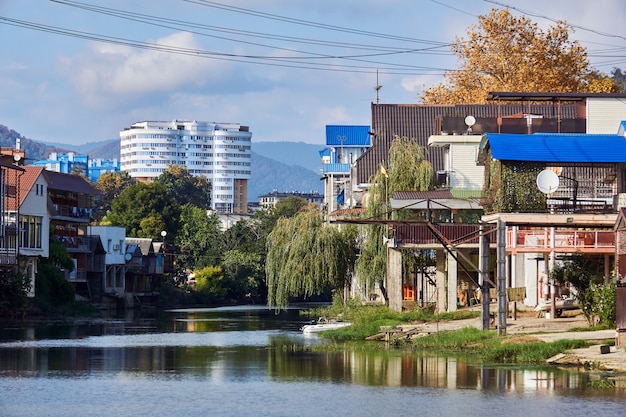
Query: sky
x=77, y=72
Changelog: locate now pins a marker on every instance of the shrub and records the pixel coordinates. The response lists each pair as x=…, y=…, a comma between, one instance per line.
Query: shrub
x=14, y=289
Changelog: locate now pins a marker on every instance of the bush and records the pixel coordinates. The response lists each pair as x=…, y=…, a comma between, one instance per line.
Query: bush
x=14, y=289
x=52, y=290
x=603, y=302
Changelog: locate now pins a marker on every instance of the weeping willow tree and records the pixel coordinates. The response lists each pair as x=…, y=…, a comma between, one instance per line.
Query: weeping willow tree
x=305, y=257
x=408, y=170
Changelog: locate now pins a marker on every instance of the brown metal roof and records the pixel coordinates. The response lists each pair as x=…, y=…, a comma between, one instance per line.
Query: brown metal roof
x=71, y=183
x=419, y=121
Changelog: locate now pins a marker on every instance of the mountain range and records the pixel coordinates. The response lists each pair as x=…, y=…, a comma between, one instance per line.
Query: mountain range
x=280, y=166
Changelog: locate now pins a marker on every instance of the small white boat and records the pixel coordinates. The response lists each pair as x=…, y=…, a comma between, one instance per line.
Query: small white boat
x=323, y=324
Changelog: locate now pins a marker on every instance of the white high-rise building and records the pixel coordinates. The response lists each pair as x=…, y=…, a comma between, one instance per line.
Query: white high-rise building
x=219, y=151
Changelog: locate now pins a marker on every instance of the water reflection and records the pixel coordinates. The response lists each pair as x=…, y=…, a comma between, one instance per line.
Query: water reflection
x=234, y=345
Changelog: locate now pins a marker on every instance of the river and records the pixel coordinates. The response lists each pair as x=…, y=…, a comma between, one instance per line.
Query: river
x=248, y=361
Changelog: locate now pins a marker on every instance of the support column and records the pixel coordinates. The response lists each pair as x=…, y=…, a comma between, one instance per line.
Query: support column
x=394, y=279
x=441, y=281
x=452, y=281
x=501, y=262
x=483, y=278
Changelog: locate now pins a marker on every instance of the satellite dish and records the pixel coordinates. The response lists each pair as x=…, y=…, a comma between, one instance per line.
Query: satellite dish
x=547, y=181
x=128, y=256
x=470, y=121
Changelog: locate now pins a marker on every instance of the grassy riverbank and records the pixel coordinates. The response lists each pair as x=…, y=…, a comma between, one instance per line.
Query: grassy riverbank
x=486, y=345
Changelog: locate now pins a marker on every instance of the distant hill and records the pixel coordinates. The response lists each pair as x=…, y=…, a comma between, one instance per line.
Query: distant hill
x=281, y=166
x=269, y=175
x=291, y=153
x=32, y=149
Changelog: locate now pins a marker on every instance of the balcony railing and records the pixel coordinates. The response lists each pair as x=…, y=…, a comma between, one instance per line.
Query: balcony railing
x=8, y=258
x=72, y=211
x=336, y=168
x=421, y=234
x=539, y=240
x=73, y=242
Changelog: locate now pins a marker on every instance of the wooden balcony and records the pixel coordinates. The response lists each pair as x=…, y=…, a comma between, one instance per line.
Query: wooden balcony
x=420, y=234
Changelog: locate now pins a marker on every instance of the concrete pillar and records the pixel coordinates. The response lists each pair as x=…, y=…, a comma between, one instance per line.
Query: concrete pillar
x=394, y=279
x=441, y=281
x=453, y=289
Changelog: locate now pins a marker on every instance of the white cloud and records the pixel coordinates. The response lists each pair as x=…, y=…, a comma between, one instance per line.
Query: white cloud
x=112, y=70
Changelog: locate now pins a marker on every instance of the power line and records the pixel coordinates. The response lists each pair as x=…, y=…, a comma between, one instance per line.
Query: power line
x=529, y=13
x=378, y=51
x=310, y=23
x=284, y=62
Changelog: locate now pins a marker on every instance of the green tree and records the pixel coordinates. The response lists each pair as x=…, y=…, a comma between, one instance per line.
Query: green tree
x=594, y=293
x=52, y=290
x=243, y=272
x=186, y=188
x=408, y=170
x=306, y=257
x=619, y=78
x=145, y=206
x=198, y=238
x=508, y=53
x=210, y=281
x=111, y=185
x=289, y=206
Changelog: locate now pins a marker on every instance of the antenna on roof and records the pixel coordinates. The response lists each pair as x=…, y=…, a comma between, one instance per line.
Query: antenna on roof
x=377, y=88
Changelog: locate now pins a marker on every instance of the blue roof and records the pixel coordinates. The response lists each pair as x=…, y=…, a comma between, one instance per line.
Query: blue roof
x=340, y=135
x=324, y=152
x=555, y=147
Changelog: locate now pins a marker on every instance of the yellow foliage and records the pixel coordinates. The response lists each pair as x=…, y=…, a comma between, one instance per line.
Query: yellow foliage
x=508, y=53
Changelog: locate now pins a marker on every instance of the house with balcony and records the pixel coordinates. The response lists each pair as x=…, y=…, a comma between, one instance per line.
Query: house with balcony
x=145, y=263
x=10, y=175
x=70, y=206
x=344, y=145
x=33, y=220
x=113, y=242
x=519, y=115
x=577, y=214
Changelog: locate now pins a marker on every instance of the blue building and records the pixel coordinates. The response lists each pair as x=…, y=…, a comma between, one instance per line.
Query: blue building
x=344, y=145
x=79, y=164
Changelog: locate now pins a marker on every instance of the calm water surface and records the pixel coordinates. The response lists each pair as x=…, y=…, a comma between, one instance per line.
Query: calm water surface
x=232, y=362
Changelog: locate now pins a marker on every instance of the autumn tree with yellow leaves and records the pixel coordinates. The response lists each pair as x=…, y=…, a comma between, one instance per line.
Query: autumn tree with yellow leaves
x=508, y=53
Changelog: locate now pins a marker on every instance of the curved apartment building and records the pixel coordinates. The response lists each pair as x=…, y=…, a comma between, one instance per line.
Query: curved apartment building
x=219, y=151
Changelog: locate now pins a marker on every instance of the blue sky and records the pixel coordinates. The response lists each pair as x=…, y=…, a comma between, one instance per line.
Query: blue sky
x=286, y=68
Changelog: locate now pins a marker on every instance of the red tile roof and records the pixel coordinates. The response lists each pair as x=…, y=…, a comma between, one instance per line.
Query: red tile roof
x=28, y=180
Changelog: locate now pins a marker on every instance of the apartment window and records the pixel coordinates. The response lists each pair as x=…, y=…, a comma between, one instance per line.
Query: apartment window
x=30, y=232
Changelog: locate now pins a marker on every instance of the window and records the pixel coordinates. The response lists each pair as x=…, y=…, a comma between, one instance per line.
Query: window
x=30, y=232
